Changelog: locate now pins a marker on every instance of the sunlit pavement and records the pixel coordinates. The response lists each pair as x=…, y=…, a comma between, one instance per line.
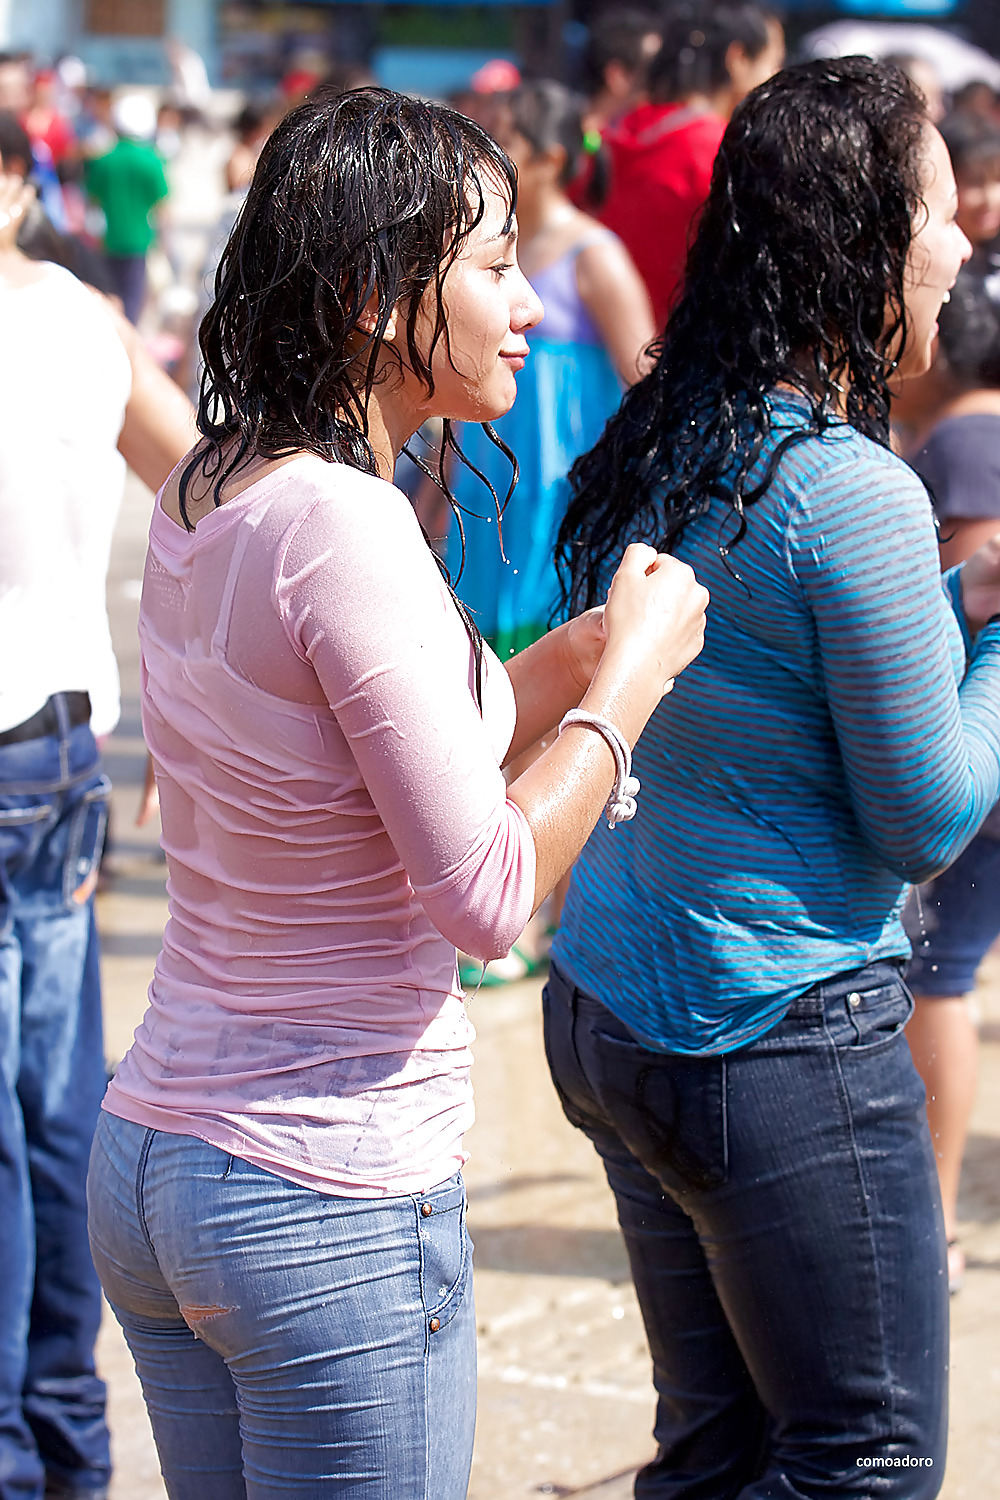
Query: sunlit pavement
x=565, y=1405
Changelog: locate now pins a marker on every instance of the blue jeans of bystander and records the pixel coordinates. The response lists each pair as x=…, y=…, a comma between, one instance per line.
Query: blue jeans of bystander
x=53, y=808
x=288, y=1342
x=781, y=1212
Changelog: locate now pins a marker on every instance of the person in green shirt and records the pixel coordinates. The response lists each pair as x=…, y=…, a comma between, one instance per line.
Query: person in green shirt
x=128, y=182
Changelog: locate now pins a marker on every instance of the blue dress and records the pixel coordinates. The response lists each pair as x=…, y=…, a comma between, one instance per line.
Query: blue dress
x=566, y=392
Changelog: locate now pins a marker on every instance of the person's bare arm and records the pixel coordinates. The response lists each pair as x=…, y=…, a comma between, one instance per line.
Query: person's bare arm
x=960, y=538
x=159, y=426
x=615, y=296
x=552, y=675
x=654, y=621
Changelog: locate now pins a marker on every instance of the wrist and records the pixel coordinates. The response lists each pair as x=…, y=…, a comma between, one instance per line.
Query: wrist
x=569, y=664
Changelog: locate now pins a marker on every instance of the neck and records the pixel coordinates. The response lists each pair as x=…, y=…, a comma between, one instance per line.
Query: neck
x=393, y=418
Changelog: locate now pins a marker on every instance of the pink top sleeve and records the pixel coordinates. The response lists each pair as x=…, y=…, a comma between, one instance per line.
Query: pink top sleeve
x=361, y=600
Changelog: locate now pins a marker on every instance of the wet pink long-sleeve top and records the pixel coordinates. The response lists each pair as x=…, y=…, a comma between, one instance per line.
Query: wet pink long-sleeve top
x=335, y=822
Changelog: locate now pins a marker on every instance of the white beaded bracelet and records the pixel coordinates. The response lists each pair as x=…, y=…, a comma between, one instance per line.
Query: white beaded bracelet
x=621, y=805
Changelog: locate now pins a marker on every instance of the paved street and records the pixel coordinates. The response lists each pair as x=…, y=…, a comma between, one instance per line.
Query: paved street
x=565, y=1399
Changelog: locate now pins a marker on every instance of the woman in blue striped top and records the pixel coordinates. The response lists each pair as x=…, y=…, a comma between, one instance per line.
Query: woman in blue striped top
x=724, y=1017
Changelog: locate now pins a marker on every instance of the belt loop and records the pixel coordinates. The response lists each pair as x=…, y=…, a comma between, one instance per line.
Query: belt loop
x=61, y=707
x=58, y=701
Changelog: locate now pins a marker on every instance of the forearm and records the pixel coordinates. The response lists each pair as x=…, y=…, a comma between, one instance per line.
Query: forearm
x=563, y=793
x=159, y=426
x=546, y=685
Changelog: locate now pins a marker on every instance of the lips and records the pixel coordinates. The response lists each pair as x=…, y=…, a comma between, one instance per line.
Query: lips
x=515, y=357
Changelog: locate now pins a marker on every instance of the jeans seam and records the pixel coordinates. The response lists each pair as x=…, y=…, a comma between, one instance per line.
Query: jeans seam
x=140, y=1182
x=724, y=1103
x=858, y=1166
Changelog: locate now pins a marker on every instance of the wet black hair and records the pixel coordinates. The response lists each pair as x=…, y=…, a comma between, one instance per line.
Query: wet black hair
x=972, y=141
x=617, y=35
x=546, y=114
x=697, y=34
x=358, y=197
x=795, y=278
x=969, y=329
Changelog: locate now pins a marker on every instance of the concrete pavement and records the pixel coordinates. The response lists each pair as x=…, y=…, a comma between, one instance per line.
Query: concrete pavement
x=566, y=1404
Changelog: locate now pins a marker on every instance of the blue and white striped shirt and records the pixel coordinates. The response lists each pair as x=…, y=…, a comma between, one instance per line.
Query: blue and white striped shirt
x=836, y=739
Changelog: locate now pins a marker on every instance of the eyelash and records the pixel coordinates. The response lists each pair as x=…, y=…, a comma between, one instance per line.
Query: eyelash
x=498, y=270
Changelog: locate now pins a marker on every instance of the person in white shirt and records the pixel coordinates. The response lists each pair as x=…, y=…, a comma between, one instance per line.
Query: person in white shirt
x=79, y=399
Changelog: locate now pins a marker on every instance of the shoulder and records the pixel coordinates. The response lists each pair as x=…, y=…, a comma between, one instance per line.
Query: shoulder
x=322, y=503
x=843, y=473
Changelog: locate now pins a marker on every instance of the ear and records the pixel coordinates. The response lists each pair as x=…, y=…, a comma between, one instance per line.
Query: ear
x=557, y=156
x=368, y=320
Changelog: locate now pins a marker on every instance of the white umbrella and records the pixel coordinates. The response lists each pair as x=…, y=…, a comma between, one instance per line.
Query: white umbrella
x=956, y=62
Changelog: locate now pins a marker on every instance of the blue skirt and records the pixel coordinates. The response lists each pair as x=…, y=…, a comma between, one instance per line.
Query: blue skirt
x=566, y=392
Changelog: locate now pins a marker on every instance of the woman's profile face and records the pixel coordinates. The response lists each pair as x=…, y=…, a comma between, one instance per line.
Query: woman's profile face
x=488, y=306
x=938, y=250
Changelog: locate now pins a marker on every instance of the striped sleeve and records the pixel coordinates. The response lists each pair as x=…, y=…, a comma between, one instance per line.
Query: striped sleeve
x=921, y=753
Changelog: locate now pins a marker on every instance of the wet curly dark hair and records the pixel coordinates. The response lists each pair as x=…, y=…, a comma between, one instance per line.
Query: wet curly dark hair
x=359, y=194
x=795, y=278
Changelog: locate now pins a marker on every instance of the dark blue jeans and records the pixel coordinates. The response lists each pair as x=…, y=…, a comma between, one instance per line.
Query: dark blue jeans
x=128, y=277
x=781, y=1212
x=53, y=808
x=954, y=921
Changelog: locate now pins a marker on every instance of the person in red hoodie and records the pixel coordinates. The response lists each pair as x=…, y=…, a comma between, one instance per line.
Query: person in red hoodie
x=662, y=153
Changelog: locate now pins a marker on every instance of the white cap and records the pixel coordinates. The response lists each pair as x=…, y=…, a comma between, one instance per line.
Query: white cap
x=134, y=115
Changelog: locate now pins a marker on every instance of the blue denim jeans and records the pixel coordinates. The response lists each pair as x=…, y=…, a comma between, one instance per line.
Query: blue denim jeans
x=954, y=921
x=53, y=809
x=781, y=1212
x=288, y=1342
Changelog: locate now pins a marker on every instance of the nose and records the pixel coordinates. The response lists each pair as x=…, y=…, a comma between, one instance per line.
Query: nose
x=528, y=310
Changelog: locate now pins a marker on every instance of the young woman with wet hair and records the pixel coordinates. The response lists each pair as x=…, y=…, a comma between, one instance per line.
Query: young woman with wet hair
x=277, y=1210
x=725, y=1012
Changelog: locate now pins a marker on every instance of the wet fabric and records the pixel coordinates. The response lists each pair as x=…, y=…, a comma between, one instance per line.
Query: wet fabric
x=335, y=822
x=294, y=1344
x=781, y=1212
x=837, y=739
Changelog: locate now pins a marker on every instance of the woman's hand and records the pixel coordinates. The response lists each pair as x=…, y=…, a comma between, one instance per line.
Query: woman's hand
x=15, y=197
x=654, y=624
x=981, y=584
x=654, y=619
x=583, y=643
